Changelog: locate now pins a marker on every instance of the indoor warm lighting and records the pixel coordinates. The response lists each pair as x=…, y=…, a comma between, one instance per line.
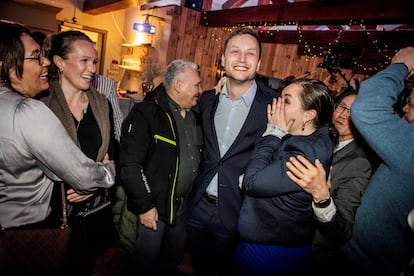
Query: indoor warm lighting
x=145, y=27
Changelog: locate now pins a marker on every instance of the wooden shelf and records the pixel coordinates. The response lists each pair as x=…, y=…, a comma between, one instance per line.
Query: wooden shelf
x=130, y=68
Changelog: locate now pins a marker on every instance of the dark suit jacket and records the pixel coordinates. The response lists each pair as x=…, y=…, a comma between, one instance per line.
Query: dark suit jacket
x=350, y=175
x=235, y=161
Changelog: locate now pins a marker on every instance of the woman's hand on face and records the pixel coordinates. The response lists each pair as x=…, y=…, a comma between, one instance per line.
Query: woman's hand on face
x=276, y=115
x=72, y=196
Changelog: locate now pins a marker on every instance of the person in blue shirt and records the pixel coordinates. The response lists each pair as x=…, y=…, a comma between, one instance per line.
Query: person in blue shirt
x=382, y=242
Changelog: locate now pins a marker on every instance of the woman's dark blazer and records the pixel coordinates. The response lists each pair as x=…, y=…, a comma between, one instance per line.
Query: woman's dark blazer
x=275, y=210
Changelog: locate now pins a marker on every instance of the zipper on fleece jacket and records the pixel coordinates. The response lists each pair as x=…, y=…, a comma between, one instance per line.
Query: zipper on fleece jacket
x=165, y=139
x=162, y=138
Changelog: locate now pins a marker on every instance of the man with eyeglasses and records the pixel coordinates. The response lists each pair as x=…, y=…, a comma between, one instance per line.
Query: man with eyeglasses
x=342, y=108
x=382, y=242
x=335, y=201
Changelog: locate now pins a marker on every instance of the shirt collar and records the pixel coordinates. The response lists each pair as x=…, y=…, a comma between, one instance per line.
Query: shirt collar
x=174, y=106
x=247, y=98
x=342, y=144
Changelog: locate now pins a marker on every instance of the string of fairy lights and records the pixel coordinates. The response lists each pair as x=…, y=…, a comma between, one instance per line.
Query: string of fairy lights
x=315, y=51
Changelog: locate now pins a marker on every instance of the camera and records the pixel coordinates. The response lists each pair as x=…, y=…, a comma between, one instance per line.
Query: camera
x=341, y=55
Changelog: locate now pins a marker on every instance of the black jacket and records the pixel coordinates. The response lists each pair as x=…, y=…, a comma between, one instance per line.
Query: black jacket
x=149, y=157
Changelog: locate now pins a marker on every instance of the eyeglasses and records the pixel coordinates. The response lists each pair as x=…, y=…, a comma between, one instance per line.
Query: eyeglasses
x=38, y=58
x=341, y=108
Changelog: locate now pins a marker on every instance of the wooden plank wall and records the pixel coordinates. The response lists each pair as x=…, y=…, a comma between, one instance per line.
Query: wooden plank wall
x=203, y=45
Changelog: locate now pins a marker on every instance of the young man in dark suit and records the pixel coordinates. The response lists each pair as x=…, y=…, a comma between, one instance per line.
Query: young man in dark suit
x=231, y=122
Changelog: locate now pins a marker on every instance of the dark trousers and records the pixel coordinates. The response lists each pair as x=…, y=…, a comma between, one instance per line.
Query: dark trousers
x=212, y=246
x=159, y=251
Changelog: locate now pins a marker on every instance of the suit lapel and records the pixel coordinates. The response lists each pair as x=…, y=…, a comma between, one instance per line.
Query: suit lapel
x=344, y=152
x=255, y=122
x=211, y=110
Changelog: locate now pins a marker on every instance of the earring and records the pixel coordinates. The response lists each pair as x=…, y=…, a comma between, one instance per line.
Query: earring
x=303, y=126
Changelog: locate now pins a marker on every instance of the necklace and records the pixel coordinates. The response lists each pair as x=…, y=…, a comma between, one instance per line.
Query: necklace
x=77, y=126
x=79, y=106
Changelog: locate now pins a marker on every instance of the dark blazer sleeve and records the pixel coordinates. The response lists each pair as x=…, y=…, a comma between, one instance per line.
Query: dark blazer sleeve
x=266, y=174
x=350, y=178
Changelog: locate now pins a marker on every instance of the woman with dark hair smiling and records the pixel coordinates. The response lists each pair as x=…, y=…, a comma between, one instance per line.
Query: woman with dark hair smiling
x=87, y=117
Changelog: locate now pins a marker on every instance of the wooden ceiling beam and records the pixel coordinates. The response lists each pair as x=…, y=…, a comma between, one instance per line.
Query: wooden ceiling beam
x=314, y=13
x=95, y=7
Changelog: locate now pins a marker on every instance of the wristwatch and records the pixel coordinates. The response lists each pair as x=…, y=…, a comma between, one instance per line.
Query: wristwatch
x=323, y=203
